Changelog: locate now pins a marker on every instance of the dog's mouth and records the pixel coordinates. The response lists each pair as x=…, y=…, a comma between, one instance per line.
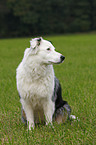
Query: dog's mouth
x=58, y=62
x=51, y=62
x=61, y=60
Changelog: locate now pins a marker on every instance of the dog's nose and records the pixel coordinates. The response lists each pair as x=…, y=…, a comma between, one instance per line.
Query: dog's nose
x=62, y=57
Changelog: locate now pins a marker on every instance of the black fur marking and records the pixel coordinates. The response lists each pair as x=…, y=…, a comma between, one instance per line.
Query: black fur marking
x=57, y=97
x=50, y=42
x=38, y=40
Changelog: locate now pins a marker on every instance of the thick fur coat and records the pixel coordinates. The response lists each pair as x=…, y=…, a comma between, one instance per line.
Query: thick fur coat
x=35, y=81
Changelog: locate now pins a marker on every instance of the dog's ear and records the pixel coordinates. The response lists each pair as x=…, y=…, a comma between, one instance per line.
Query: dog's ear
x=34, y=43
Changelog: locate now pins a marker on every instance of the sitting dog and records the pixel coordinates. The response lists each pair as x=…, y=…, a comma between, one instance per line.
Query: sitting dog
x=39, y=89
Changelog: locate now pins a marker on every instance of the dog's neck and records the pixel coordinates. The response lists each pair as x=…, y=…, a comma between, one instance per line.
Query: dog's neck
x=37, y=71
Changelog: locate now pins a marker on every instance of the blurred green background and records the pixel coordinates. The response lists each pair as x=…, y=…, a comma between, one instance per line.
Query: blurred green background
x=23, y=18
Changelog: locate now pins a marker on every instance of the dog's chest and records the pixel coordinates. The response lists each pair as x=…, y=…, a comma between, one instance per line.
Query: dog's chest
x=36, y=84
x=39, y=88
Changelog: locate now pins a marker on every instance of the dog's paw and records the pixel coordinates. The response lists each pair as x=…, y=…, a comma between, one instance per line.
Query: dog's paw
x=31, y=127
x=50, y=125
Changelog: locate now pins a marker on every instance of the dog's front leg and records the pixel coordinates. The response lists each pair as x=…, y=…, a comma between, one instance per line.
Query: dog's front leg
x=49, y=108
x=29, y=113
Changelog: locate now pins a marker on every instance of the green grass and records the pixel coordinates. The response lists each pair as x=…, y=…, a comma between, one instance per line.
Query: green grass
x=78, y=79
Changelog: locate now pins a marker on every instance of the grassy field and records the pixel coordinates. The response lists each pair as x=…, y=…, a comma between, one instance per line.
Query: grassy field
x=78, y=79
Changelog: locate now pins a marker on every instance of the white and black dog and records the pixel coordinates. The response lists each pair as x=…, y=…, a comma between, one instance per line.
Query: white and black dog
x=39, y=89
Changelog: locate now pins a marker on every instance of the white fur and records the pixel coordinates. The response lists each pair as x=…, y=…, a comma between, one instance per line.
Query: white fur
x=35, y=80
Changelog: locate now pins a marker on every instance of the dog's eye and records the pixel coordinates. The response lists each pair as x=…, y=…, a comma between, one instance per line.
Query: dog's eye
x=48, y=49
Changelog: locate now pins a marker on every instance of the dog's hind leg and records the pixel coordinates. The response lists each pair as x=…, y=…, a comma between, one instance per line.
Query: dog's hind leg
x=62, y=108
x=29, y=113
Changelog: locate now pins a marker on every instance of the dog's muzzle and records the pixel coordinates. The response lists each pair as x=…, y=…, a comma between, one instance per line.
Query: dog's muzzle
x=62, y=58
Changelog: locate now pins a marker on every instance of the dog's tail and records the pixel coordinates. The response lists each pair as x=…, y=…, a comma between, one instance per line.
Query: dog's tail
x=68, y=109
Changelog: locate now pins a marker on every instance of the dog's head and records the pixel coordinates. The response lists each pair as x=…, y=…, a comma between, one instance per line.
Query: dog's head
x=44, y=51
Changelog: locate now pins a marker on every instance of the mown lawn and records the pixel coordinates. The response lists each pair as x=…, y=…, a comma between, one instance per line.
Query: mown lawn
x=78, y=79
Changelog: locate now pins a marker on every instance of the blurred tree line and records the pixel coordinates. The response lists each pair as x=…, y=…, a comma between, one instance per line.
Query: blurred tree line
x=36, y=17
